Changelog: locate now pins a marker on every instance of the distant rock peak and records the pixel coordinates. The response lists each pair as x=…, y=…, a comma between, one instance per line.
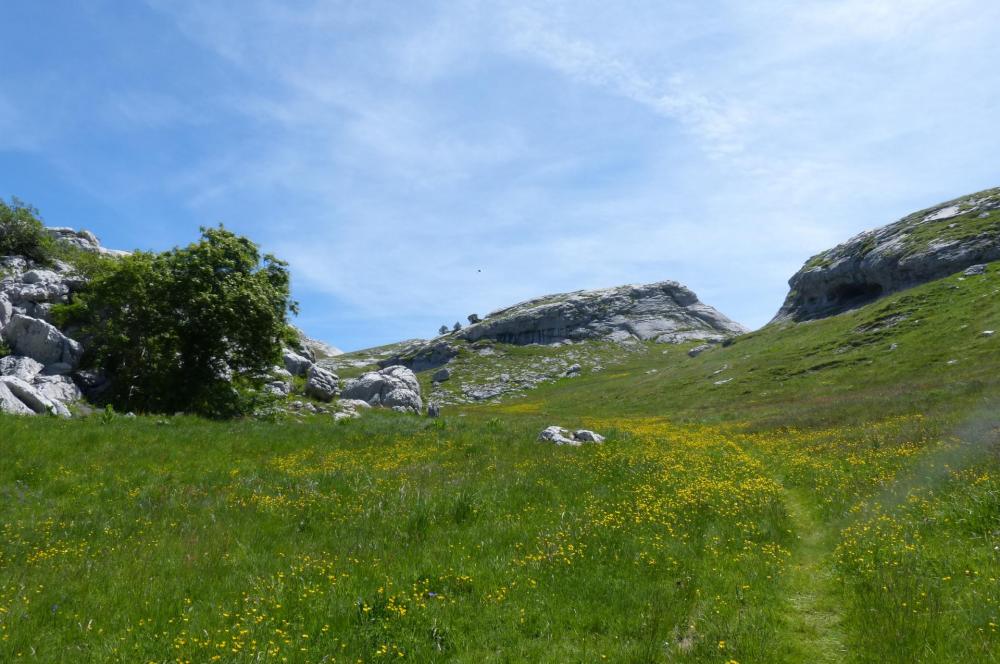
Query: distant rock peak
x=665, y=311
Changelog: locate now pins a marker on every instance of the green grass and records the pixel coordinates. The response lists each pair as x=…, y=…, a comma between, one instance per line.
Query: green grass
x=834, y=501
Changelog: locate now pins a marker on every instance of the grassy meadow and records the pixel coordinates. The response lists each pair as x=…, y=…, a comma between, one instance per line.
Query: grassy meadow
x=810, y=493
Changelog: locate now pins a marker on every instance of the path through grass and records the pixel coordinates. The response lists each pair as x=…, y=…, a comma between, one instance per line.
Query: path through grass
x=814, y=623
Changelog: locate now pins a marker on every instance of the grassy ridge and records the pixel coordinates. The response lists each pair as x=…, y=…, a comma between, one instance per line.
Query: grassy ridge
x=833, y=500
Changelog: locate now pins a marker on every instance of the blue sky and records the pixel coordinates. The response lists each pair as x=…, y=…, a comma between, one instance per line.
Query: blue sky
x=419, y=161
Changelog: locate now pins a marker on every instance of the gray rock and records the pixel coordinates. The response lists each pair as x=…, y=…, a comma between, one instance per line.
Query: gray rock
x=32, y=398
x=21, y=367
x=296, y=364
x=58, y=369
x=278, y=388
x=914, y=250
x=6, y=311
x=41, y=341
x=392, y=387
x=588, y=436
x=353, y=404
x=698, y=350
x=560, y=436
x=441, y=375
x=82, y=240
x=59, y=389
x=422, y=355
x=11, y=405
x=433, y=410
x=322, y=384
x=974, y=270
x=574, y=370
x=660, y=310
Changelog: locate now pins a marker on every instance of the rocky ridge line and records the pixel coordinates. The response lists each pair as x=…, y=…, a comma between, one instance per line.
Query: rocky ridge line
x=920, y=247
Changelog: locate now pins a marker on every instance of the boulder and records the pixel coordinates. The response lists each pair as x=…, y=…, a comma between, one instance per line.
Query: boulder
x=322, y=384
x=278, y=388
x=41, y=341
x=974, y=270
x=21, y=367
x=560, y=436
x=698, y=350
x=393, y=387
x=59, y=389
x=433, y=410
x=441, y=375
x=588, y=436
x=296, y=364
x=32, y=398
x=11, y=405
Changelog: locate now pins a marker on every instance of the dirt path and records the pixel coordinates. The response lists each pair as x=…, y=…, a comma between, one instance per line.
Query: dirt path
x=813, y=629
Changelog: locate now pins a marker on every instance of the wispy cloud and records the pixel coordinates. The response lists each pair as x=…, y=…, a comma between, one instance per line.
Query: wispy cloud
x=419, y=161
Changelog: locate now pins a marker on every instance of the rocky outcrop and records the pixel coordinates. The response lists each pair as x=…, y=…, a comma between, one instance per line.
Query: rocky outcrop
x=393, y=387
x=322, y=384
x=921, y=247
x=40, y=375
x=665, y=311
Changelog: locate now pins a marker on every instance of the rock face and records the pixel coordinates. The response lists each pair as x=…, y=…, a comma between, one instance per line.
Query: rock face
x=41, y=341
x=665, y=311
x=39, y=376
x=921, y=247
x=394, y=387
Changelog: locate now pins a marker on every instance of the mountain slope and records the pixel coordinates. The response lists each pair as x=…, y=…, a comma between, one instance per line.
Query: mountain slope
x=921, y=247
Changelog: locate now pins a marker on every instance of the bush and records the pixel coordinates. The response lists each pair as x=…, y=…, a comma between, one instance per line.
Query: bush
x=22, y=232
x=193, y=329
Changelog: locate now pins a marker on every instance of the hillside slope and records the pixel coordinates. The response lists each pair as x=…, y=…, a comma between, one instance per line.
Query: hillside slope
x=920, y=247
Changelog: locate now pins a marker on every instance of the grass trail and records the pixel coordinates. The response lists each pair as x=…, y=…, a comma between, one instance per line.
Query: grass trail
x=813, y=623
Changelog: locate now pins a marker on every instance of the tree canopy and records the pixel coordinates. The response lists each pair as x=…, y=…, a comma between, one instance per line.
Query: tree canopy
x=190, y=328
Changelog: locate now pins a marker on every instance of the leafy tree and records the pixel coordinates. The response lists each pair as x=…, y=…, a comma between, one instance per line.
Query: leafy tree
x=183, y=330
x=457, y=326
x=22, y=232
x=443, y=329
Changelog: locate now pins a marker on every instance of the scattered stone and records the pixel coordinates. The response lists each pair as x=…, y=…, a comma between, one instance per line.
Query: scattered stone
x=441, y=375
x=987, y=333
x=974, y=270
x=560, y=436
x=572, y=371
x=893, y=346
x=698, y=350
x=588, y=436
x=723, y=382
x=951, y=362
x=433, y=410
x=278, y=388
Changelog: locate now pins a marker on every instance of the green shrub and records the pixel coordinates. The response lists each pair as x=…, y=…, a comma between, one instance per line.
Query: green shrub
x=22, y=232
x=192, y=329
